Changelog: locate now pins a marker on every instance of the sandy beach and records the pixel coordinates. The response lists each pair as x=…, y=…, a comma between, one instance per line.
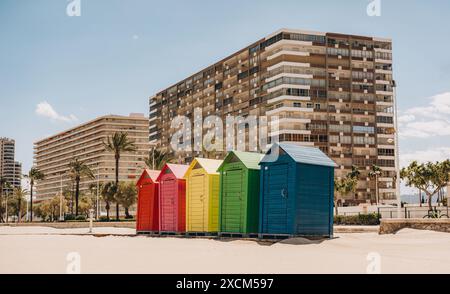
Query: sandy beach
x=46, y=250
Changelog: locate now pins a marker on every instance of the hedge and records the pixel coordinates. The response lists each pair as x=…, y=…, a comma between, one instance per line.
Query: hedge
x=372, y=219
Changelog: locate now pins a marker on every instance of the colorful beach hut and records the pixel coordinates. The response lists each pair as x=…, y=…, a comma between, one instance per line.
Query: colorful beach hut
x=297, y=190
x=239, y=193
x=147, y=219
x=172, y=198
x=202, y=196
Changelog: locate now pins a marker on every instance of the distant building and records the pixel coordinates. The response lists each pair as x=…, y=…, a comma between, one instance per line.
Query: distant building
x=10, y=169
x=52, y=155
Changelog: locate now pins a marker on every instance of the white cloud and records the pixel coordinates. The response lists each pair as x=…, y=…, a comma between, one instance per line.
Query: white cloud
x=427, y=121
x=135, y=37
x=44, y=109
x=423, y=156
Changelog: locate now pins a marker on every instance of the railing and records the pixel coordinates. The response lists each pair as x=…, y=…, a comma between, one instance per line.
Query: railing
x=411, y=212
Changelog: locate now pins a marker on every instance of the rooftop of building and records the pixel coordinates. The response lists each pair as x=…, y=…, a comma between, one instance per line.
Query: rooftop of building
x=283, y=30
x=135, y=116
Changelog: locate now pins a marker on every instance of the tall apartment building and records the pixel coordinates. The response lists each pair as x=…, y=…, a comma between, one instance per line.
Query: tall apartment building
x=10, y=170
x=85, y=142
x=332, y=91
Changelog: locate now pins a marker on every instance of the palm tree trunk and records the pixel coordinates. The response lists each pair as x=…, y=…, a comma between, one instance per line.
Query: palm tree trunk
x=420, y=197
x=127, y=213
x=376, y=189
x=19, y=204
x=107, y=210
x=31, y=202
x=77, y=193
x=71, y=201
x=117, y=184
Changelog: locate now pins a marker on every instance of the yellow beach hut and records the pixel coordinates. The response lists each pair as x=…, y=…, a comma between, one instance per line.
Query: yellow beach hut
x=202, y=196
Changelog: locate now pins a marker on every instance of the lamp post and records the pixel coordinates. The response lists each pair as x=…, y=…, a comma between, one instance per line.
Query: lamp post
x=6, y=207
x=97, y=212
x=397, y=153
x=61, y=217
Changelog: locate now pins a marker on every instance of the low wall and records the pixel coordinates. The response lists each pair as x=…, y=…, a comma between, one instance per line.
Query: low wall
x=75, y=225
x=391, y=226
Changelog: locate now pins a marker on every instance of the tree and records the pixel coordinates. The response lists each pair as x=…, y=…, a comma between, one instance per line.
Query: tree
x=117, y=144
x=127, y=196
x=157, y=158
x=346, y=185
x=3, y=182
x=428, y=178
x=43, y=210
x=85, y=205
x=355, y=173
x=375, y=172
x=108, y=193
x=33, y=175
x=19, y=195
x=8, y=187
x=58, y=205
x=79, y=169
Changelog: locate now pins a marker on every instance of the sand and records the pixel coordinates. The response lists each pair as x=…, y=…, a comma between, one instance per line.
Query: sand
x=45, y=250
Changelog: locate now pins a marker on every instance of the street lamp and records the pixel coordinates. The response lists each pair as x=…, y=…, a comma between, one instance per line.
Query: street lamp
x=98, y=188
x=61, y=217
x=397, y=157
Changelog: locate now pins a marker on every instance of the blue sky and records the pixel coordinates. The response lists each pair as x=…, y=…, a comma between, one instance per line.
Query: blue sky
x=57, y=71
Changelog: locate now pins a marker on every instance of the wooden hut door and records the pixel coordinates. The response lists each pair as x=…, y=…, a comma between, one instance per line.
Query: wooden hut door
x=233, y=215
x=144, y=214
x=276, y=218
x=168, y=205
x=197, y=204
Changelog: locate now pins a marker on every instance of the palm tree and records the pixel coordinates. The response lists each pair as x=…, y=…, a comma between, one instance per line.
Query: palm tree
x=108, y=192
x=7, y=187
x=19, y=195
x=157, y=158
x=375, y=172
x=33, y=175
x=355, y=173
x=79, y=169
x=346, y=185
x=117, y=144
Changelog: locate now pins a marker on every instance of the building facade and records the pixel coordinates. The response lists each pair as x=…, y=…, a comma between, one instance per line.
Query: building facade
x=85, y=142
x=10, y=170
x=332, y=91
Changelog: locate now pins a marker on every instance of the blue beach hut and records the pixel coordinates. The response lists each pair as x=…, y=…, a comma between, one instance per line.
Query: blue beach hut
x=297, y=190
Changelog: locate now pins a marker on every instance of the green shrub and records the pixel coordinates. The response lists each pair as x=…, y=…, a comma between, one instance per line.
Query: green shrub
x=69, y=217
x=371, y=219
x=80, y=218
x=103, y=219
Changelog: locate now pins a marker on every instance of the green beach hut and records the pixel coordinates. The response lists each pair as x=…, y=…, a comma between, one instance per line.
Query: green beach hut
x=239, y=193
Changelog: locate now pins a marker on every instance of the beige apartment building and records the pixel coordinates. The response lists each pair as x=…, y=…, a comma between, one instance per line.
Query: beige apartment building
x=10, y=170
x=52, y=155
x=332, y=91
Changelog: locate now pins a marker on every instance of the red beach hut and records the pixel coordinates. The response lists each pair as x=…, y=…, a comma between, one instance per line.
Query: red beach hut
x=147, y=219
x=172, y=198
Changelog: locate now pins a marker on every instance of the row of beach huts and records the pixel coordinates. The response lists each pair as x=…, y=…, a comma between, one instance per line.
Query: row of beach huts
x=284, y=193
